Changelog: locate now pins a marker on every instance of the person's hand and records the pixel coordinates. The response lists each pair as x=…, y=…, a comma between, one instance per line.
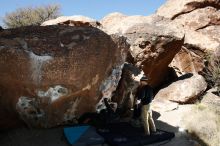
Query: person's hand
x=138, y=102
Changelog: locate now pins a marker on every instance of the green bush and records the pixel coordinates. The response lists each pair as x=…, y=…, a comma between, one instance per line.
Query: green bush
x=31, y=16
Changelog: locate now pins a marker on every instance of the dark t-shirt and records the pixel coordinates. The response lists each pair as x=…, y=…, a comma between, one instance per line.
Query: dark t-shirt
x=145, y=94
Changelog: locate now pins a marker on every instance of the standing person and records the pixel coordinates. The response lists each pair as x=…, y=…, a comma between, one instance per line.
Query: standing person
x=144, y=97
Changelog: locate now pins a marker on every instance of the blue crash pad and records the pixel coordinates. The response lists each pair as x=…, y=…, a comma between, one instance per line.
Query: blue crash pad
x=82, y=135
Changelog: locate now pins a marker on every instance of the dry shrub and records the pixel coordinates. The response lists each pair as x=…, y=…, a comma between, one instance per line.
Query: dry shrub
x=31, y=15
x=212, y=70
x=204, y=124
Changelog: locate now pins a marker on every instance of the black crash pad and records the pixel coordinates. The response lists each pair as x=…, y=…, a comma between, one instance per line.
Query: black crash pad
x=123, y=134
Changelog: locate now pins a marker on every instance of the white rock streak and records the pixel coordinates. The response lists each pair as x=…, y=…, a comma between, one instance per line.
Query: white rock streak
x=109, y=86
x=37, y=63
x=54, y=92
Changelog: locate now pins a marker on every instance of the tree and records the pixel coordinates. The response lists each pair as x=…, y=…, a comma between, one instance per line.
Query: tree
x=31, y=15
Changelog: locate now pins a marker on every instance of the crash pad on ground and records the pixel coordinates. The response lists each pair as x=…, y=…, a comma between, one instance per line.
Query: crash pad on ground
x=123, y=134
x=82, y=136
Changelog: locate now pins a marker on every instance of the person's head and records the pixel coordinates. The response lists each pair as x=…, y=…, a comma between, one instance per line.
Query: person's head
x=144, y=80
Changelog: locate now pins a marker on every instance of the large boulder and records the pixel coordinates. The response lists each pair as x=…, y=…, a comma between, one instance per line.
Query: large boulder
x=186, y=90
x=76, y=20
x=53, y=74
x=201, y=20
x=111, y=22
x=154, y=42
x=175, y=8
x=163, y=105
x=211, y=98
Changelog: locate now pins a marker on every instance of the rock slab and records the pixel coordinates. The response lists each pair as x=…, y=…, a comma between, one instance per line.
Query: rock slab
x=53, y=74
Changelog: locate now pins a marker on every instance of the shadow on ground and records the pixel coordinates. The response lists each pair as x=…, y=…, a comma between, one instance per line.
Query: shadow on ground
x=33, y=137
x=54, y=136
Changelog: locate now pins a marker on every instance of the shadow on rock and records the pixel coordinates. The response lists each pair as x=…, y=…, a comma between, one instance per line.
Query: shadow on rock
x=162, y=125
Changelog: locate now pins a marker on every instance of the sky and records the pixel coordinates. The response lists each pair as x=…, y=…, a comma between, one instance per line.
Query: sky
x=95, y=9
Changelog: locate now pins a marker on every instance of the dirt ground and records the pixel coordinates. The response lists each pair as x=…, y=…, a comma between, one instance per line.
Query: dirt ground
x=55, y=137
x=33, y=137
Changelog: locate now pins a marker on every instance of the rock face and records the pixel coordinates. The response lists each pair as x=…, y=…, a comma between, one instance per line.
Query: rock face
x=127, y=88
x=154, y=42
x=186, y=61
x=76, y=20
x=163, y=105
x=111, y=22
x=177, y=8
x=201, y=21
x=185, y=90
x=51, y=75
x=211, y=99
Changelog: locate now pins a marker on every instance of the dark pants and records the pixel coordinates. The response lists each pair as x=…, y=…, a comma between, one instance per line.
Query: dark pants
x=137, y=112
